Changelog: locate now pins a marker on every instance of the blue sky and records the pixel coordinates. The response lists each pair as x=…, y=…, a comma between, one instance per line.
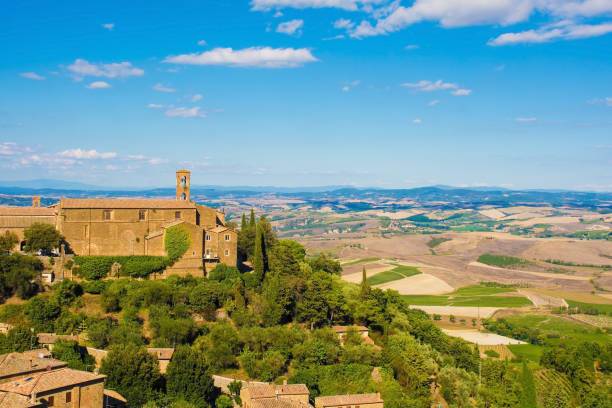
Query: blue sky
x=513, y=93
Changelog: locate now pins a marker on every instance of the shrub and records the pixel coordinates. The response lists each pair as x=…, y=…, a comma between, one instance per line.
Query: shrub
x=98, y=267
x=177, y=241
x=492, y=353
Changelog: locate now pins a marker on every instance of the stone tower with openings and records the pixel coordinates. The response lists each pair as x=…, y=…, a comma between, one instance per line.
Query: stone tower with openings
x=182, y=185
x=36, y=202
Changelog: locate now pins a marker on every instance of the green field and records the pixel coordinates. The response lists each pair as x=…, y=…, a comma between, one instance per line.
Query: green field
x=501, y=261
x=527, y=351
x=397, y=273
x=559, y=330
x=474, y=295
x=434, y=242
x=591, y=308
x=362, y=260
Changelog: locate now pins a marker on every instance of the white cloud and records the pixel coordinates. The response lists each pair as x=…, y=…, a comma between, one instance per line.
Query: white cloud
x=262, y=57
x=109, y=26
x=12, y=149
x=161, y=88
x=343, y=23
x=461, y=13
x=434, y=102
x=278, y=14
x=346, y=89
x=439, y=85
x=461, y=92
x=87, y=154
x=417, y=121
x=82, y=68
x=265, y=5
x=157, y=161
x=98, y=85
x=291, y=27
x=411, y=47
x=428, y=86
x=555, y=32
x=154, y=106
x=335, y=37
x=202, y=43
x=526, y=119
x=32, y=75
x=196, y=97
x=185, y=112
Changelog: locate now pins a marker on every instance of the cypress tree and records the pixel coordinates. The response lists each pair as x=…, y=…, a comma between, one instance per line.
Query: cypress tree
x=252, y=220
x=243, y=223
x=528, y=391
x=365, y=285
x=258, y=256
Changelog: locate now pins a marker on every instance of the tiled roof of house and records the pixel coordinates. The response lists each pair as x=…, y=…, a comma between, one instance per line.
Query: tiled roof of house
x=161, y=353
x=39, y=353
x=121, y=203
x=14, y=364
x=271, y=391
x=28, y=211
x=50, y=338
x=344, y=329
x=114, y=395
x=50, y=380
x=13, y=400
x=291, y=389
x=218, y=229
x=279, y=403
x=350, y=399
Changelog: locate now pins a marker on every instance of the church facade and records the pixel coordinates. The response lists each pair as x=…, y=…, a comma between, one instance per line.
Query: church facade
x=103, y=226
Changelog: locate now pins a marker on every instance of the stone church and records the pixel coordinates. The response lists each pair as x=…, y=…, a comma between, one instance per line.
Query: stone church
x=105, y=226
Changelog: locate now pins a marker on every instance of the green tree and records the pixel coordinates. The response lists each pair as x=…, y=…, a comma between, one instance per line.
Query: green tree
x=259, y=255
x=76, y=356
x=42, y=312
x=132, y=372
x=177, y=241
x=223, y=401
x=18, y=339
x=365, y=285
x=8, y=241
x=189, y=377
x=41, y=237
x=528, y=391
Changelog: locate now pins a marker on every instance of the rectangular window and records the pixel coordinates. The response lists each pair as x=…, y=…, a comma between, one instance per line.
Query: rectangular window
x=227, y=237
x=51, y=401
x=227, y=252
x=141, y=215
x=69, y=396
x=208, y=237
x=208, y=251
x=106, y=215
x=177, y=215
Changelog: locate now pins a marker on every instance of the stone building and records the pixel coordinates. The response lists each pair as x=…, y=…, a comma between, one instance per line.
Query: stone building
x=105, y=226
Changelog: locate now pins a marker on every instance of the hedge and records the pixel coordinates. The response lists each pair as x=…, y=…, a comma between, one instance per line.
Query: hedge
x=98, y=267
x=177, y=241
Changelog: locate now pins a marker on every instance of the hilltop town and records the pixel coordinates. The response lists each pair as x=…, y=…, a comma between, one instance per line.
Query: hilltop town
x=124, y=301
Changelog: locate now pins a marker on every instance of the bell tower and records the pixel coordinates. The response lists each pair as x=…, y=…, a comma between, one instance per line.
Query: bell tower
x=182, y=185
x=36, y=202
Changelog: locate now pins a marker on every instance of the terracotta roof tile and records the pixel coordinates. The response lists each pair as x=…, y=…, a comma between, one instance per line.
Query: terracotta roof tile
x=161, y=353
x=29, y=211
x=291, y=389
x=349, y=399
x=15, y=364
x=38, y=353
x=50, y=338
x=124, y=203
x=114, y=395
x=344, y=329
x=279, y=403
x=13, y=400
x=50, y=380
